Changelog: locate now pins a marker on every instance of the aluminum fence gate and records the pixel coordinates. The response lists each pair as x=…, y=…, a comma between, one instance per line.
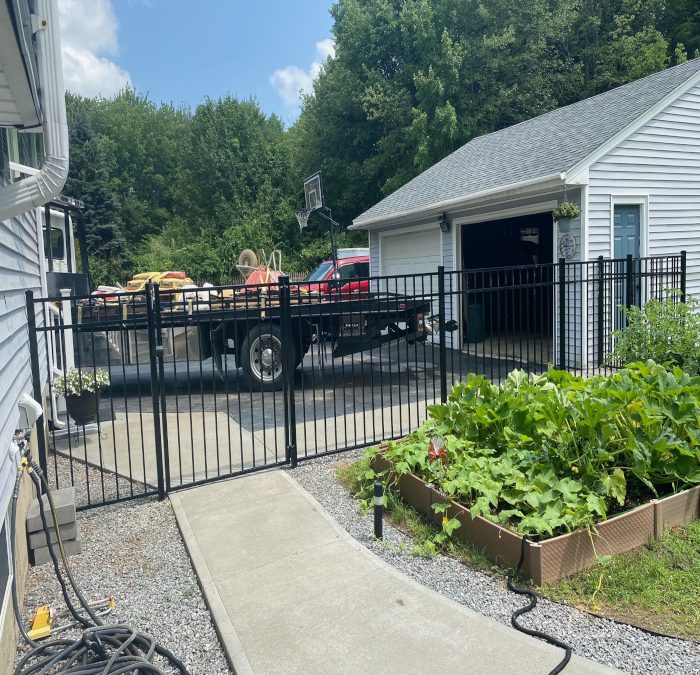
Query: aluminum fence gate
x=204, y=385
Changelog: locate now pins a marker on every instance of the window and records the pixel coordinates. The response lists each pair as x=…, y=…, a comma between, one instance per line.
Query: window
x=31, y=149
x=26, y=149
x=320, y=273
x=362, y=269
x=347, y=271
x=4, y=157
x=57, y=246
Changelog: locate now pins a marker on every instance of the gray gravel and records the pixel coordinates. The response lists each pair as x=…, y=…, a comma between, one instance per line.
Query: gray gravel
x=607, y=642
x=134, y=551
x=92, y=486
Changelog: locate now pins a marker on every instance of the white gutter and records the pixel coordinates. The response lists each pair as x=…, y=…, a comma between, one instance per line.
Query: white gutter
x=455, y=201
x=48, y=182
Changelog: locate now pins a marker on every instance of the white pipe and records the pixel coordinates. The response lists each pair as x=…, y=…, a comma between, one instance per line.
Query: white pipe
x=47, y=184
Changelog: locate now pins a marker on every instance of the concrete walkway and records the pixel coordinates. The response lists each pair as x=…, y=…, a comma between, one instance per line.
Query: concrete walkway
x=292, y=592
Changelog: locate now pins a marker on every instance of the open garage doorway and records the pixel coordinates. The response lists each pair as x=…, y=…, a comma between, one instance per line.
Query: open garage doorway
x=508, y=288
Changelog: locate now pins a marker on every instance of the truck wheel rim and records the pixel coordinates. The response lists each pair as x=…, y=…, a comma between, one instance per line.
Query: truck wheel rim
x=266, y=358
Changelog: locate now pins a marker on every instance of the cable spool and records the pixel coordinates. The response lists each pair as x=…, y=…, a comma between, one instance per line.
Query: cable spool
x=247, y=262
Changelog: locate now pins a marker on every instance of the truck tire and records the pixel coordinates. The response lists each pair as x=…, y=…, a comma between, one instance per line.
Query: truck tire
x=261, y=357
x=300, y=352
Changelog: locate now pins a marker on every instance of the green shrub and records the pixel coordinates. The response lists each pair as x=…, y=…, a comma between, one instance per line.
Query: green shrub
x=665, y=331
x=551, y=453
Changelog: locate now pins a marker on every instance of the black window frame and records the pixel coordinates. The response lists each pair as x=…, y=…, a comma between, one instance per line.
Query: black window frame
x=55, y=256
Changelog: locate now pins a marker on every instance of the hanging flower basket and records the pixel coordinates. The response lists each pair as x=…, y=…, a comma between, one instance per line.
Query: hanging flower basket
x=566, y=211
x=81, y=389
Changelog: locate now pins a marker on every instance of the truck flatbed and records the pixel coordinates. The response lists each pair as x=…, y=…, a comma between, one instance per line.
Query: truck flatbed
x=248, y=322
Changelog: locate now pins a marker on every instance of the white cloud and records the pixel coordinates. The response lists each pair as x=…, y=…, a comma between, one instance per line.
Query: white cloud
x=292, y=82
x=88, y=39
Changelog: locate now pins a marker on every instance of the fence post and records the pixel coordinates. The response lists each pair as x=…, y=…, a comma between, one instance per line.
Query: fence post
x=153, y=351
x=161, y=386
x=442, y=333
x=684, y=262
x=36, y=380
x=288, y=362
x=629, y=281
x=601, y=310
x=562, y=313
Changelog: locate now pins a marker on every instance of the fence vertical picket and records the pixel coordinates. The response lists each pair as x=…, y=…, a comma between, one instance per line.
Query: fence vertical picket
x=153, y=351
x=562, y=313
x=442, y=334
x=36, y=379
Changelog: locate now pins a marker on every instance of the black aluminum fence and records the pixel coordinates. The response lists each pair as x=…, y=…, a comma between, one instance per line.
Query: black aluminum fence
x=228, y=380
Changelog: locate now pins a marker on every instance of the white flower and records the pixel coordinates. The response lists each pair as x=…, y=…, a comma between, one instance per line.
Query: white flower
x=80, y=380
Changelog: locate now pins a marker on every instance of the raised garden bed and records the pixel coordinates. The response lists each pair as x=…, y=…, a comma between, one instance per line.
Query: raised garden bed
x=552, y=559
x=577, y=469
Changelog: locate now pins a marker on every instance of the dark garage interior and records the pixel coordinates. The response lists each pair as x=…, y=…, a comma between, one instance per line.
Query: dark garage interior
x=508, y=276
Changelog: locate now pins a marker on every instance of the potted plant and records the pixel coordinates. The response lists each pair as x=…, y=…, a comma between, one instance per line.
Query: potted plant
x=564, y=214
x=81, y=389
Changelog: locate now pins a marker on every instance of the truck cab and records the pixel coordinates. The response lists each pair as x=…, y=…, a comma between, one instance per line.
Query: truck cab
x=350, y=275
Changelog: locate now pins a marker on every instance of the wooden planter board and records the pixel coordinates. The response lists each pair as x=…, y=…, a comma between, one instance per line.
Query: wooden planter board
x=558, y=557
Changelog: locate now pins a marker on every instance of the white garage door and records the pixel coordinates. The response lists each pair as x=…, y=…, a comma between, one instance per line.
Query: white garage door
x=416, y=253
x=411, y=252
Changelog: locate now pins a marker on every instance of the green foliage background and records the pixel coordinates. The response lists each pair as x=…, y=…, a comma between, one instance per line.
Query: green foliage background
x=412, y=80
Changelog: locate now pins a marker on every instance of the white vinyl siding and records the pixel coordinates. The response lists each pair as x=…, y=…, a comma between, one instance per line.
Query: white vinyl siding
x=374, y=253
x=19, y=272
x=660, y=162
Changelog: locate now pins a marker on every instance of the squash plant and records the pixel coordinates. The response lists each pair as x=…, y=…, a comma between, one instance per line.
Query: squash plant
x=548, y=454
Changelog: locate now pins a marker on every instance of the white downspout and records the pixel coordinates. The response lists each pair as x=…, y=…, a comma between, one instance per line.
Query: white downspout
x=48, y=182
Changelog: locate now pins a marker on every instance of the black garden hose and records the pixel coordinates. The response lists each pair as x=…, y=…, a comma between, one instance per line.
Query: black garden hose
x=528, y=608
x=101, y=649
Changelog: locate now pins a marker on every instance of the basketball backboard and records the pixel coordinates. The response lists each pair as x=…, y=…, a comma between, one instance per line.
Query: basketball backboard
x=313, y=192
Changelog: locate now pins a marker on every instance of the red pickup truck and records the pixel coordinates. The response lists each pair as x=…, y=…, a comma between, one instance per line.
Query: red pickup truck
x=350, y=276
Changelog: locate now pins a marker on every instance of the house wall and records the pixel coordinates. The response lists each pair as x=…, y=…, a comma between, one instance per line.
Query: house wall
x=659, y=165
x=20, y=257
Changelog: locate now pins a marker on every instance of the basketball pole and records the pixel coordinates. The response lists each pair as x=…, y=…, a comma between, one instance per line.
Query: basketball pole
x=326, y=214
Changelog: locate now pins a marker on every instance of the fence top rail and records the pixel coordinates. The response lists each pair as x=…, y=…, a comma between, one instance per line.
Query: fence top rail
x=567, y=263
x=648, y=264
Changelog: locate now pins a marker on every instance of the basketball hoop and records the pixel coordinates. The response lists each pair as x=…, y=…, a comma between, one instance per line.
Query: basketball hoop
x=303, y=217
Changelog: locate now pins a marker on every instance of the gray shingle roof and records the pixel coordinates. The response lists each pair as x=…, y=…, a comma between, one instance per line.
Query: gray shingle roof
x=545, y=145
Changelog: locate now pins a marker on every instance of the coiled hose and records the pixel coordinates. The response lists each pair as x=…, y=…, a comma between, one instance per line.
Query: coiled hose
x=101, y=649
x=528, y=608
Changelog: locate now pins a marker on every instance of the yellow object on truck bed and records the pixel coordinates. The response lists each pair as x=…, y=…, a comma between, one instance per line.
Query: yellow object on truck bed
x=167, y=281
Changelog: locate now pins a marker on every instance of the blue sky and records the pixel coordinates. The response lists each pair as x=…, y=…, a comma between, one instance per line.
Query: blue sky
x=183, y=51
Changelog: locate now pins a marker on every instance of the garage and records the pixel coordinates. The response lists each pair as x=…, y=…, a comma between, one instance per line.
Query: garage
x=583, y=183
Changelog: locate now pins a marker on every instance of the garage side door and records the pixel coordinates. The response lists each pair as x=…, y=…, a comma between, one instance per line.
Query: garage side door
x=415, y=253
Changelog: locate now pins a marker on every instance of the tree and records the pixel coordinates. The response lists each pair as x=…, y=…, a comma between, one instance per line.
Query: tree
x=89, y=180
x=412, y=80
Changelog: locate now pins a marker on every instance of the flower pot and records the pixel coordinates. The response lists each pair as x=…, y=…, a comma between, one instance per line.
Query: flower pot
x=83, y=407
x=564, y=225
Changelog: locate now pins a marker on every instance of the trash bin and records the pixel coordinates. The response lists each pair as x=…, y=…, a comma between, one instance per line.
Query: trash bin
x=475, y=323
